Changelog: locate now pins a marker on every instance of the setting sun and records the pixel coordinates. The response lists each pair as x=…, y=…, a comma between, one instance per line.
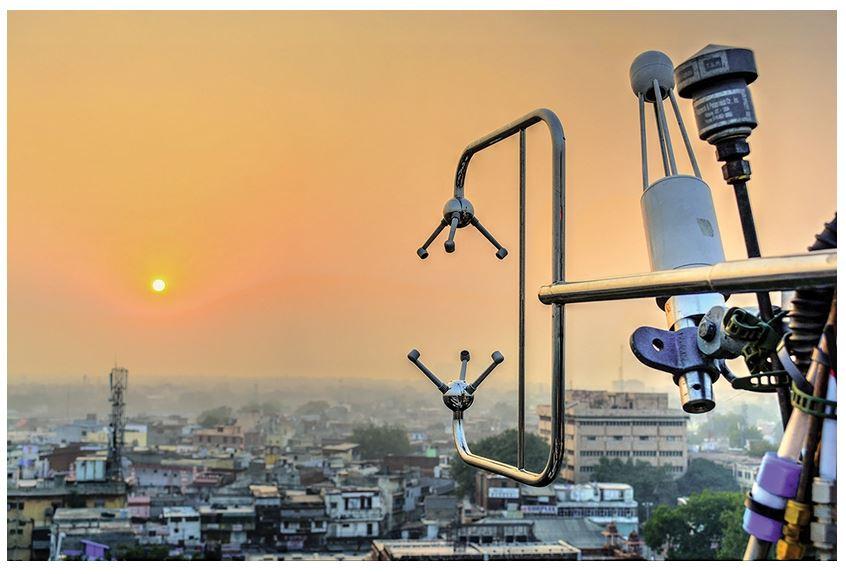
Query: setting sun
x=159, y=285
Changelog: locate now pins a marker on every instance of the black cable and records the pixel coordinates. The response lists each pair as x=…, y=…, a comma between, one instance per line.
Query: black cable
x=809, y=309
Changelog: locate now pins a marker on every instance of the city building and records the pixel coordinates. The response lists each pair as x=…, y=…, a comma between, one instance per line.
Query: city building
x=495, y=492
x=303, y=522
x=183, y=526
x=89, y=533
x=219, y=437
x=225, y=529
x=32, y=504
x=267, y=502
x=638, y=426
x=601, y=502
x=355, y=515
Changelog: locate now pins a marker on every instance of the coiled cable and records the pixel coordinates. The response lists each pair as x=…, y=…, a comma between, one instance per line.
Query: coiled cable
x=809, y=309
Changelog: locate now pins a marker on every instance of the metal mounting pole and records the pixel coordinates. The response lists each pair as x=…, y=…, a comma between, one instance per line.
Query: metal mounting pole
x=556, y=452
x=521, y=366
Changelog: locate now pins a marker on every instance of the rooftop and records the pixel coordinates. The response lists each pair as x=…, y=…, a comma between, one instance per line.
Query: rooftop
x=179, y=512
x=342, y=447
x=580, y=532
x=74, y=514
x=227, y=510
x=264, y=491
x=427, y=549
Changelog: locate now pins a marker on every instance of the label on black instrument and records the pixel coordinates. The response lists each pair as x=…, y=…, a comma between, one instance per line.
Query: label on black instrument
x=731, y=107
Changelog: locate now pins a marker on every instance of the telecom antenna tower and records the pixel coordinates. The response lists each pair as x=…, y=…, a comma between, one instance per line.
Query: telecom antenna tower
x=118, y=381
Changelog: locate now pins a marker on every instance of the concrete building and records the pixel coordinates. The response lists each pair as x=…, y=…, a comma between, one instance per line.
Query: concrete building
x=32, y=504
x=344, y=452
x=303, y=522
x=267, y=501
x=227, y=528
x=221, y=437
x=183, y=526
x=494, y=531
x=354, y=513
x=89, y=533
x=495, y=492
x=600, y=502
x=638, y=426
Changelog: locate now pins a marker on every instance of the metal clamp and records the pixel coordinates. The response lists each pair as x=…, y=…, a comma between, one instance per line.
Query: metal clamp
x=674, y=352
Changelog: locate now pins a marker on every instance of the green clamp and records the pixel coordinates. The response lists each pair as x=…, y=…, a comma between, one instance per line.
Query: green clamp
x=812, y=405
x=765, y=382
x=761, y=337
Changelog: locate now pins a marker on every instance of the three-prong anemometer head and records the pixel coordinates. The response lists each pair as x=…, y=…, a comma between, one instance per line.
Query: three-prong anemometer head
x=458, y=213
x=458, y=395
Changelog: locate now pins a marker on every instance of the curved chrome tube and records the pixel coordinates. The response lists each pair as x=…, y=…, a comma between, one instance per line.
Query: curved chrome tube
x=556, y=453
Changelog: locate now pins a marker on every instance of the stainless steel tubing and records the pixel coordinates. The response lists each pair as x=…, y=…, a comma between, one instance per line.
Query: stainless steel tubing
x=556, y=452
x=815, y=269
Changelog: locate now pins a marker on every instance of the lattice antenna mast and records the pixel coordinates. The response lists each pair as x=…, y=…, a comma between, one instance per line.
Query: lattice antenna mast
x=118, y=381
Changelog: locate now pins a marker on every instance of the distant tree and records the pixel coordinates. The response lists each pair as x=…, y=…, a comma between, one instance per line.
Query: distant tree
x=500, y=447
x=696, y=530
x=651, y=484
x=377, y=441
x=733, y=542
x=214, y=417
x=757, y=448
x=313, y=408
x=703, y=475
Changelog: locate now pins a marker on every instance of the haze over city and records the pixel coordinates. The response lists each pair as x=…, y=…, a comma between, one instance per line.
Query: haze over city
x=278, y=171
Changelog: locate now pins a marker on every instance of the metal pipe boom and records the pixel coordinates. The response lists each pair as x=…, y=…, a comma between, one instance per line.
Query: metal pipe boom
x=816, y=269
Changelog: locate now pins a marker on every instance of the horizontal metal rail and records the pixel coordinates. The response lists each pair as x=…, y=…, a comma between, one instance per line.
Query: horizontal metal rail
x=816, y=269
x=556, y=452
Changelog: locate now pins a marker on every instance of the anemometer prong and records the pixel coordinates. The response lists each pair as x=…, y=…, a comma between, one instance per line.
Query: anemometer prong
x=449, y=244
x=497, y=359
x=422, y=253
x=414, y=357
x=465, y=358
x=501, y=251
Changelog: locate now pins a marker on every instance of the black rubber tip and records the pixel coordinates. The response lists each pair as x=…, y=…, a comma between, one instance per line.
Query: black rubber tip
x=465, y=355
x=413, y=355
x=497, y=357
x=422, y=253
x=449, y=246
x=502, y=253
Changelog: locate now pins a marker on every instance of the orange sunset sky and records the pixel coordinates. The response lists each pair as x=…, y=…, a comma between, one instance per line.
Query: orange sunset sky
x=279, y=170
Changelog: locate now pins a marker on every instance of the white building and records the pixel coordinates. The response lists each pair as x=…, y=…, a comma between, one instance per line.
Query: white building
x=354, y=512
x=183, y=525
x=600, y=502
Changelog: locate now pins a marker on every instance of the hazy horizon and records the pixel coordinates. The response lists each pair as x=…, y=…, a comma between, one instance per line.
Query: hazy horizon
x=279, y=170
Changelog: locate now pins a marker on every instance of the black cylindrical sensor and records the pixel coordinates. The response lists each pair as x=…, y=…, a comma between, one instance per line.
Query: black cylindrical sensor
x=717, y=78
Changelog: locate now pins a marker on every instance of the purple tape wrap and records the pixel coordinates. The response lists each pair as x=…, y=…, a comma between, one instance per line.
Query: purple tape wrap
x=779, y=476
x=761, y=527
